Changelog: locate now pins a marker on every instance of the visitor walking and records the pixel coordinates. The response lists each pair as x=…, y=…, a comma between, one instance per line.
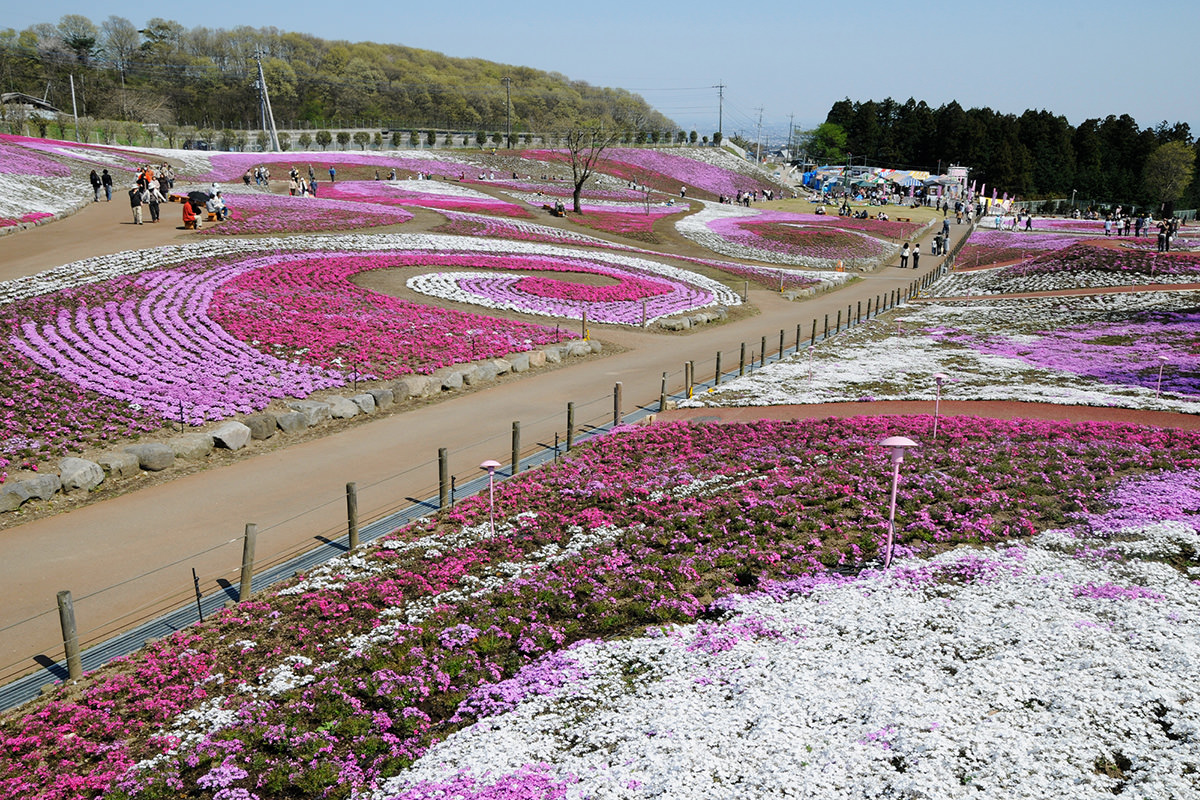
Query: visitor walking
x=136, y=198
x=332, y=174
x=95, y=179
x=154, y=198
x=106, y=181
x=904, y=256
x=916, y=255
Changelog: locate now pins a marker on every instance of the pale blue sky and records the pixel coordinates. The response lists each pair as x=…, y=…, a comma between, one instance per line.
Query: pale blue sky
x=1078, y=58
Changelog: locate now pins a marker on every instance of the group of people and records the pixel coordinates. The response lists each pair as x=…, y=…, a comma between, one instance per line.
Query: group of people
x=152, y=188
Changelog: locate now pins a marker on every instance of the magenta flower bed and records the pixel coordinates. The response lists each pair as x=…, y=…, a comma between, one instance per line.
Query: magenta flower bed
x=623, y=221
x=1124, y=352
x=396, y=193
x=662, y=171
x=253, y=213
x=17, y=158
x=885, y=228
x=1084, y=257
x=785, y=233
x=305, y=307
x=986, y=246
x=680, y=518
x=459, y=224
x=34, y=217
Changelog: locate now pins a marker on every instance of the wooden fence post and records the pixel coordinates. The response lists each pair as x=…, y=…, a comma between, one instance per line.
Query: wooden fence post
x=570, y=425
x=515, y=458
x=66, y=620
x=247, y=561
x=443, y=478
x=352, y=514
x=617, y=404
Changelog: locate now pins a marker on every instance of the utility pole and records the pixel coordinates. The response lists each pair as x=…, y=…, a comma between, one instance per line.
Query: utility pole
x=507, y=81
x=758, y=139
x=268, y=118
x=75, y=110
x=791, y=135
x=720, y=87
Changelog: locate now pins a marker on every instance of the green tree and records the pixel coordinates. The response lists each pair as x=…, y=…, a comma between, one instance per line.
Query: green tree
x=480, y=138
x=285, y=141
x=716, y=137
x=826, y=143
x=430, y=138
x=343, y=139
x=585, y=147
x=1168, y=172
x=692, y=137
x=305, y=140
x=362, y=139
x=324, y=138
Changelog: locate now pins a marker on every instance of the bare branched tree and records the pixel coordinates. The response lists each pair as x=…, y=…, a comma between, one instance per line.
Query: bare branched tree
x=585, y=147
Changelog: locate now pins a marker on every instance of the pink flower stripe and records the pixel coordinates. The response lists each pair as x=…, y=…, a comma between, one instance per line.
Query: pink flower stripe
x=986, y=246
x=1083, y=257
x=396, y=193
x=18, y=158
x=306, y=307
x=33, y=217
x=231, y=166
x=254, y=213
x=686, y=518
x=623, y=220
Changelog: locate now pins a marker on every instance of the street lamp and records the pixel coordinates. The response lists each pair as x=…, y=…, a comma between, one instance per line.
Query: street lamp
x=1162, y=362
x=490, y=465
x=897, y=444
x=938, y=377
x=507, y=81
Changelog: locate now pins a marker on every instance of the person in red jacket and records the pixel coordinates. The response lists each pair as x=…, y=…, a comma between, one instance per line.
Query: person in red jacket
x=190, y=220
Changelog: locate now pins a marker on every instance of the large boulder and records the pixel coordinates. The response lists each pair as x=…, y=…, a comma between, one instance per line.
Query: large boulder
x=262, y=426
x=552, y=355
x=79, y=473
x=520, y=362
x=452, y=381
x=191, y=446
x=365, y=402
x=231, y=435
x=152, y=456
x=414, y=386
x=597, y=348
x=480, y=374
x=13, y=495
x=118, y=465
x=537, y=359
x=43, y=487
x=578, y=349
x=503, y=366
x=291, y=421
x=384, y=398
x=314, y=411
x=341, y=407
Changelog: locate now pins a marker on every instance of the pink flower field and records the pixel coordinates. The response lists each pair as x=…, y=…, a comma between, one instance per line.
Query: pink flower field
x=337, y=683
x=256, y=213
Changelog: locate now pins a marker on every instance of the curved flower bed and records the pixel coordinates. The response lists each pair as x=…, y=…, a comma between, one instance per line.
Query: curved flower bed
x=338, y=683
x=32, y=217
x=115, y=344
x=257, y=213
x=1081, y=264
x=776, y=237
x=658, y=291
x=425, y=194
x=1100, y=351
x=16, y=159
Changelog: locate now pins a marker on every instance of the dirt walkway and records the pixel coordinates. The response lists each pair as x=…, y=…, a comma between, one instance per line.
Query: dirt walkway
x=130, y=558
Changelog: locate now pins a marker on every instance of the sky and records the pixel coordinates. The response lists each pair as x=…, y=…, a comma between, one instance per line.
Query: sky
x=783, y=62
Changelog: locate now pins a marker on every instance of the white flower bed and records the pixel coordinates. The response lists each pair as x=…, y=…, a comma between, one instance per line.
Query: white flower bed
x=1001, y=280
x=919, y=683
x=874, y=362
x=36, y=194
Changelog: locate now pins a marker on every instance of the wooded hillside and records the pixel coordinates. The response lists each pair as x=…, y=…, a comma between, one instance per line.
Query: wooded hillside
x=207, y=77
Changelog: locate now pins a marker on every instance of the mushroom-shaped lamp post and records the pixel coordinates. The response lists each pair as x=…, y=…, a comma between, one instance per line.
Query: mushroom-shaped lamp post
x=1162, y=362
x=938, y=378
x=897, y=444
x=490, y=465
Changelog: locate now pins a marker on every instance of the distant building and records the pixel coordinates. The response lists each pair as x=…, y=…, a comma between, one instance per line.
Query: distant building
x=32, y=106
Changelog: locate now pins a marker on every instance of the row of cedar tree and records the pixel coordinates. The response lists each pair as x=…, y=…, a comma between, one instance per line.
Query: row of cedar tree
x=1035, y=155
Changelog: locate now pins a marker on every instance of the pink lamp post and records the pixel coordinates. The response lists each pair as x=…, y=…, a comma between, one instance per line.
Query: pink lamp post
x=897, y=444
x=490, y=465
x=938, y=377
x=1162, y=362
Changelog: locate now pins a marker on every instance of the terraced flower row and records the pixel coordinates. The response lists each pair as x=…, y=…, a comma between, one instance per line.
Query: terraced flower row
x=1078, y=265
x=343, y=679
x=1105, y=350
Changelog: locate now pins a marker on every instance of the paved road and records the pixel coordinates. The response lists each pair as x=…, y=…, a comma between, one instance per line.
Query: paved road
x=144, y=544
